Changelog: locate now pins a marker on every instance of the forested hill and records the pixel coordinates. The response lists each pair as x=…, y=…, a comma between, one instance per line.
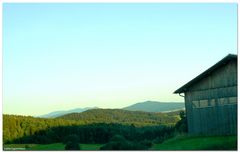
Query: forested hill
x=15, y=126
x=137, y=118
x=154, y=106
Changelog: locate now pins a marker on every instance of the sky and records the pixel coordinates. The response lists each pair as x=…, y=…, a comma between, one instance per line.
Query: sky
x=60, y=56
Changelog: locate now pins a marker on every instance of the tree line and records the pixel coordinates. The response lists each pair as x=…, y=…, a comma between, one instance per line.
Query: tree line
x=27, y=129
x=138, y=118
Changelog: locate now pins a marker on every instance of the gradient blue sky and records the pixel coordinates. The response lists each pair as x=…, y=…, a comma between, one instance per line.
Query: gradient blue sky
x=63, y=56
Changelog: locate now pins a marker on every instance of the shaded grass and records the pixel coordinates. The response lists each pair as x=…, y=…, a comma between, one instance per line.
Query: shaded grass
x=198, y=143
x=17, y=146
x=90, y=146
x=53, y=146
x=176, y=143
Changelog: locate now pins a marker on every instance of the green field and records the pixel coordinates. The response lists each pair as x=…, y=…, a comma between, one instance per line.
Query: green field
x=54, y=146
x=176, y=143
x=198, y=143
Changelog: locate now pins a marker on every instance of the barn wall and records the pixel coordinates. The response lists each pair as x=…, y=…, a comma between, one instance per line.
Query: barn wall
x=213, y=93
x=189, y=114
x=218, y=119
x=211, y=104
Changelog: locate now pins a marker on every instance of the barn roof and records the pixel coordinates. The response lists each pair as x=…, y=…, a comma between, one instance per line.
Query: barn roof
x=222, y=62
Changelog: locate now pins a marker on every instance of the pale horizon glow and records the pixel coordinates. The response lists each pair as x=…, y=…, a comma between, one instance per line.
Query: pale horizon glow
x=65, y=56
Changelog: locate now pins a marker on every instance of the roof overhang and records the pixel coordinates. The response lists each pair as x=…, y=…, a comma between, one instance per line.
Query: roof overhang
x=222, y=62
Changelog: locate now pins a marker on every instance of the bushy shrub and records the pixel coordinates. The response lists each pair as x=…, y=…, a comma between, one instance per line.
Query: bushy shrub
x=118, y=142
x=71, y=142
x=113, y=146
x=137, y=146
x=181, y=126
x=72, y=146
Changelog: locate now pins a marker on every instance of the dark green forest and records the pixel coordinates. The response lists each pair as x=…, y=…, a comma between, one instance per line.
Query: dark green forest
x=16, y=126
x=93, y=126
x=138, y=118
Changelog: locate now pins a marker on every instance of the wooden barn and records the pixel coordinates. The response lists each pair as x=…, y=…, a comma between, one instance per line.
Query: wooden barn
x=211, y=99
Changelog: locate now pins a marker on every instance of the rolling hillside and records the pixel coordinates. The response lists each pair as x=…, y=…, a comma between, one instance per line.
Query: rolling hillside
x=122, y=117
x=154, y=106
x=16, y=126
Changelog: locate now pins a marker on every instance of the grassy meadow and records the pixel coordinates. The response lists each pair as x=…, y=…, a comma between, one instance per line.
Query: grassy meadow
x=198, y=143
x=53, y=146
x=176, y=143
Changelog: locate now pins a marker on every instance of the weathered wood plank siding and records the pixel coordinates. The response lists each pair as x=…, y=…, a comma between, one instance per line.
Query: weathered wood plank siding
x=216, y=90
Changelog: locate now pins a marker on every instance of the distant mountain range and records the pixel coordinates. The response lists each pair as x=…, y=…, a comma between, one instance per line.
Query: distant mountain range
x=147, y=106
x=61, y=113
x=154, y=106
